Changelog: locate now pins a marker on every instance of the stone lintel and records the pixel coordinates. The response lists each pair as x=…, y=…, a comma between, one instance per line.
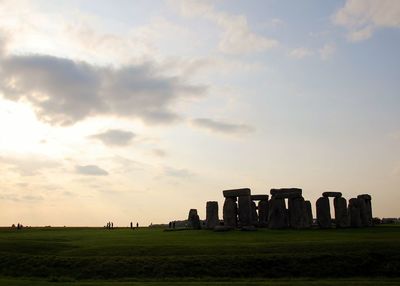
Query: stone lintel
x=236, y=192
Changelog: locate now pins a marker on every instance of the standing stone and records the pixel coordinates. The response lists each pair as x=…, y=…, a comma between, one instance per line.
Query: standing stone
x=309, y=214
x=323, y=212
x=263, y=213
x=194, y=219
x=367, y=199
x=341, y=216
x=254, y=214
x=245, y=214
x=354, y=213
x=297, y=213
x=277, y=215
x=230, y=212
x=363, y=212
x=212, y=219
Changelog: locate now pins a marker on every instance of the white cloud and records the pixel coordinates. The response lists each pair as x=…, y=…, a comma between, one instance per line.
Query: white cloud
x=115, y=137
x=236, y=36
x=28, y=165
x=300, y=53
x=363, y=17
x=327, y=51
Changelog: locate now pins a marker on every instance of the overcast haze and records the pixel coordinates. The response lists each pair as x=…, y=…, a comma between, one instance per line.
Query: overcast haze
x=140, y=110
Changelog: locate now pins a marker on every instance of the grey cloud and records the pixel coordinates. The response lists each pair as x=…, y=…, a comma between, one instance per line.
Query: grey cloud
x=114, y=137
x=179, y=173
x=63, y=91
x=221, y=127
x=91, y=170
x=28, y=165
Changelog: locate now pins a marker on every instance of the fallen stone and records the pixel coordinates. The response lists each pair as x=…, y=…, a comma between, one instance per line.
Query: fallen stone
x=212, y=219
x=248, y=228
x=221, y=228
x=323, y=213
x=332, y=194
x=236, y=192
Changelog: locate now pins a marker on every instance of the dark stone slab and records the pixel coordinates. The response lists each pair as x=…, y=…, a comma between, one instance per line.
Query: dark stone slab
x=297, y=213
x=259, y=197
x=277, y=214
x=364, y=196
x=263, y=213
x=222, y=228
x=354, y=213
x=309, y=213
x=323, y=213
x=230, y=213
x=363, y=212
x=341, y=213
x=194, y=219
x=286, y=190
x=212, y=219
x=245, y=211
x=332, y=194
x=236, y=192
x=254, y=214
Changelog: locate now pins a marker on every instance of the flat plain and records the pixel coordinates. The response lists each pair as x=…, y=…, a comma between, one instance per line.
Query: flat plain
x=151, y=256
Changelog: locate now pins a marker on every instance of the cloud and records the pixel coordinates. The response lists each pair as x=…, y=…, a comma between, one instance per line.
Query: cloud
x=63, y=91
x=91, y=170
x=159, y=152
x=327, y=51
x=300, y=53
x=221, y=127
x=28, y=165
x=362, y=17
x=115, y=137
x=178, y=173
x=236, y=36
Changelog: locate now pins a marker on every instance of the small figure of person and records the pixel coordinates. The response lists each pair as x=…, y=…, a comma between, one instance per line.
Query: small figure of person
x=131, y=225
x=112, y=225
x=137, y=225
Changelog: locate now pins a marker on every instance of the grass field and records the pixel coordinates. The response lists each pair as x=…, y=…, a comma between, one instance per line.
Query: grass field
x=93, y=256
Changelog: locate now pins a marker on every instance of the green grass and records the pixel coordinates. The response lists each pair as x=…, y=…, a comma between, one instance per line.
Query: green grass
x=76, y=256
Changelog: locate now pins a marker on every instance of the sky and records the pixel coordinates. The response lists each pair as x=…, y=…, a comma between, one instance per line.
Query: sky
x=141, y=110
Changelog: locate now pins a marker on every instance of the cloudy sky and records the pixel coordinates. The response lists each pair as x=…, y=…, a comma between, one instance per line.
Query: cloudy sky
x=140, y=110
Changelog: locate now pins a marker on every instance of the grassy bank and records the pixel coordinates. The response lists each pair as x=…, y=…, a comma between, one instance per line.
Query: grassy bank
x=78, y=254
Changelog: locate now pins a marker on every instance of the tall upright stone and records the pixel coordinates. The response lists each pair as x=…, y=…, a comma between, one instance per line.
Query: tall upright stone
x=354, y=213
x=277, y=214
x=245, y=213
x=309, y=213
x=323, y=212
x=212, y=219
x=297, y=213
x=367, y=200
x=254, y=214
x=230, y=212
x=363, y=212
x=263, y=213
x=341, y=216
x=194, y=219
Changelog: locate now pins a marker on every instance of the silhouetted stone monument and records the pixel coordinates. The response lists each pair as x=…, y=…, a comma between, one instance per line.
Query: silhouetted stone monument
x=309, y=213
x=286, y=193
x=212, y=219
x=277, y=215
x=332, y=194
x=262, y=209
x=367, y=200
x=323, y=213
x=254, y=214
x=354, y=212
x=297, y=213
x=244, y=210
x=193, y=219
x=230, y=212
x=341, y=216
